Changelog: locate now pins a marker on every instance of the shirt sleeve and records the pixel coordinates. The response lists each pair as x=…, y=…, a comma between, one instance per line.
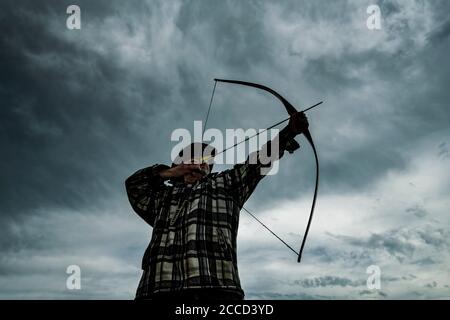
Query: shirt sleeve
x=243, y=178
x=144, y=188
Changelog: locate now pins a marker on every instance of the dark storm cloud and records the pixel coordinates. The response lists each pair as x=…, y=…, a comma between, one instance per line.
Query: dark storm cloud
x=82, y=110
x=68, y=128
x=402, y=243
x=444, y=151
x=68, y=108
x=390, y=243
x=425, y=261
x=68, y=119
x=76, y=121
x=55, y=137
x=440, y=33
x=401, y=119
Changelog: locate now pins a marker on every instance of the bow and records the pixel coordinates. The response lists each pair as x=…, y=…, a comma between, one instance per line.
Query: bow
x=291, y=110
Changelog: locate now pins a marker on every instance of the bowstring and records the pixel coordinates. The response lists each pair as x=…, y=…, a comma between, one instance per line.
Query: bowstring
x=209, y=108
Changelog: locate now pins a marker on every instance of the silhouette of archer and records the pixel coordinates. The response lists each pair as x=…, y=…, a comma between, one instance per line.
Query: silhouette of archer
x=195, y=217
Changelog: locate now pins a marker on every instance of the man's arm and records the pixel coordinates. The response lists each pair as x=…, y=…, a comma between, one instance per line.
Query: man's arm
x=143, y=189
x=243, y=178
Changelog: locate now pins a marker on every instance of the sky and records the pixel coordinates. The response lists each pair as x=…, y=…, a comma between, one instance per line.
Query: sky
x=81, y=110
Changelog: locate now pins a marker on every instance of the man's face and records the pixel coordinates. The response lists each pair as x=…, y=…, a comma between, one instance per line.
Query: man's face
x=201, y=169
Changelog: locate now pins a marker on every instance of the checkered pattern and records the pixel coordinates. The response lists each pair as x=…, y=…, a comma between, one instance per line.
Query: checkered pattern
x=193, y=243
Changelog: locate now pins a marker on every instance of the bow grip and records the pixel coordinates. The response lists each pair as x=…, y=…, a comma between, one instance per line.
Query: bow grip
x=292, y=145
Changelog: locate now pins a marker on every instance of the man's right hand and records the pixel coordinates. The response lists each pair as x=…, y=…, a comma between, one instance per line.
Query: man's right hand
x=298, y=123
x=180, y=170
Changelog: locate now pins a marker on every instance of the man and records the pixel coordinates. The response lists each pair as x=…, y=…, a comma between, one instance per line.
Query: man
x=195, y=216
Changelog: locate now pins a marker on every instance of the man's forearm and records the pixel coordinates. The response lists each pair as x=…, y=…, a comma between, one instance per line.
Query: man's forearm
x=166, y=174
x=284, y=141
x=284, y=138
x=275, y=148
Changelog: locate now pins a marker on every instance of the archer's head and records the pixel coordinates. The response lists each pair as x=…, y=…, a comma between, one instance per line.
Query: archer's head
x=200, y=156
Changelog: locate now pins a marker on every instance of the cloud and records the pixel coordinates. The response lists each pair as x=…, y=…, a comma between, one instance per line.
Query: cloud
x=106, y=246
x=417, y=211
x=326, y=282
x=356, y=230
x=82, y=110
x=444, y=151
x=372, y=293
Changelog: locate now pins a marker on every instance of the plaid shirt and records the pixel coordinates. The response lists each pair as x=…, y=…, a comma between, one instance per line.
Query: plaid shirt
x=193, y=243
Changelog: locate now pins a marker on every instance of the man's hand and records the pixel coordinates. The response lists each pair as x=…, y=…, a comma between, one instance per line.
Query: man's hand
x=193, y=170
x=179, y=170
x=298, y=123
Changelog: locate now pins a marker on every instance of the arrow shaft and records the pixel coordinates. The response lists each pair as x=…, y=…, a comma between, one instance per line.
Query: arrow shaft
x=272, y=126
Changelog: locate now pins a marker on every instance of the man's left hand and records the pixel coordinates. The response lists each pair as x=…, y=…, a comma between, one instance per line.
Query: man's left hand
x=298, y=123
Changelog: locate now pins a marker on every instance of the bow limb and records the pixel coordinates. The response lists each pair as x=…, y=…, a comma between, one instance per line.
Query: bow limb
x=289, y=107
x=316, y=187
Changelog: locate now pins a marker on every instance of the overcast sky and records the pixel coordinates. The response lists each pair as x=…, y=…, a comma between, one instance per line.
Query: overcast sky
x=81, y=110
